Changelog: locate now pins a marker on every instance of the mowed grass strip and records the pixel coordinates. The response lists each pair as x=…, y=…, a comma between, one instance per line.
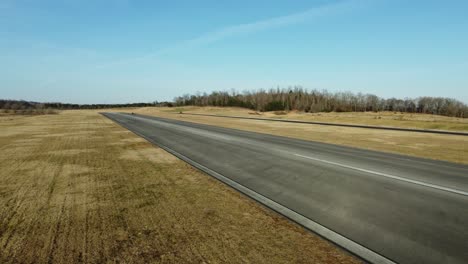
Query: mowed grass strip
x=432, y=146
x=390, y=119
x=75, y=187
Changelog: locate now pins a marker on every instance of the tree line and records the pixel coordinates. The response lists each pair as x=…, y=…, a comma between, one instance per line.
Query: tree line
x=300, y=99
x=28, y=107
x=279, y=99
x=24, y=107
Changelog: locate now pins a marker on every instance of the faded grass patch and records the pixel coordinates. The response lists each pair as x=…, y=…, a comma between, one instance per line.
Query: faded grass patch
x=133, y=140
x=74, y=169
x=153, y=154
x=71, y=151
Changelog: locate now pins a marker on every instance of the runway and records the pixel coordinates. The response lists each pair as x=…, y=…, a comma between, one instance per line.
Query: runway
x=406, y=209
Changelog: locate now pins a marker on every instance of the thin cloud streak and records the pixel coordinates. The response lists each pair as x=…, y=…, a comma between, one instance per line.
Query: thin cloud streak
x=236, y=30
x=248, y=28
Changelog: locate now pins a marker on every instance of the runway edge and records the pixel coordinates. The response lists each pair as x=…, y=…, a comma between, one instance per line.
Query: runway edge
x=343, y=242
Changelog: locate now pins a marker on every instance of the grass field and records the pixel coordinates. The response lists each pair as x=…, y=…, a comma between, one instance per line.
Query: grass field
x=433, y=146
x=77, y=188
x=393, y=119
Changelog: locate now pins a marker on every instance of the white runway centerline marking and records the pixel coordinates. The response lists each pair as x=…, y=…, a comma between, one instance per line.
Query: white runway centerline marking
x=388, y=176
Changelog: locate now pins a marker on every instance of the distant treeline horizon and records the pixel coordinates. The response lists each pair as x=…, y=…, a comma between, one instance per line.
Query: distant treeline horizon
x=279, y=99
x=30, y=107
x=300, y=99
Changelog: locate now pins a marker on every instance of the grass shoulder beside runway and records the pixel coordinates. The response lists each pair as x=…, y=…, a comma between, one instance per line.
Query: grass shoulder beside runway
x=76, y=187
x=387, y=119
x=433, y=146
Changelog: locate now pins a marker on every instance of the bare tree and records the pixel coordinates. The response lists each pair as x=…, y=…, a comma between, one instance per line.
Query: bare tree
x=300, y=99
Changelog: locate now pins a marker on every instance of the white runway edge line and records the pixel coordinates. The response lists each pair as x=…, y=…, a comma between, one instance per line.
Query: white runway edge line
x=350, y=245
x=388, y=176
x=336, y=238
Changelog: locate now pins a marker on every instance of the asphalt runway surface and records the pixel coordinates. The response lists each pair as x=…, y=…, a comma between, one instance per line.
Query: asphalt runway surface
x=406, y=209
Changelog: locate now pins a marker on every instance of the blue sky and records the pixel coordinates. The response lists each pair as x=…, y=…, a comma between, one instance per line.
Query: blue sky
x=91, y=51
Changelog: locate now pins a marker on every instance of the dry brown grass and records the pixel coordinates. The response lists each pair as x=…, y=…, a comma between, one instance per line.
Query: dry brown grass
x=432, y=146
x=75, y=187
x=405, y=120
